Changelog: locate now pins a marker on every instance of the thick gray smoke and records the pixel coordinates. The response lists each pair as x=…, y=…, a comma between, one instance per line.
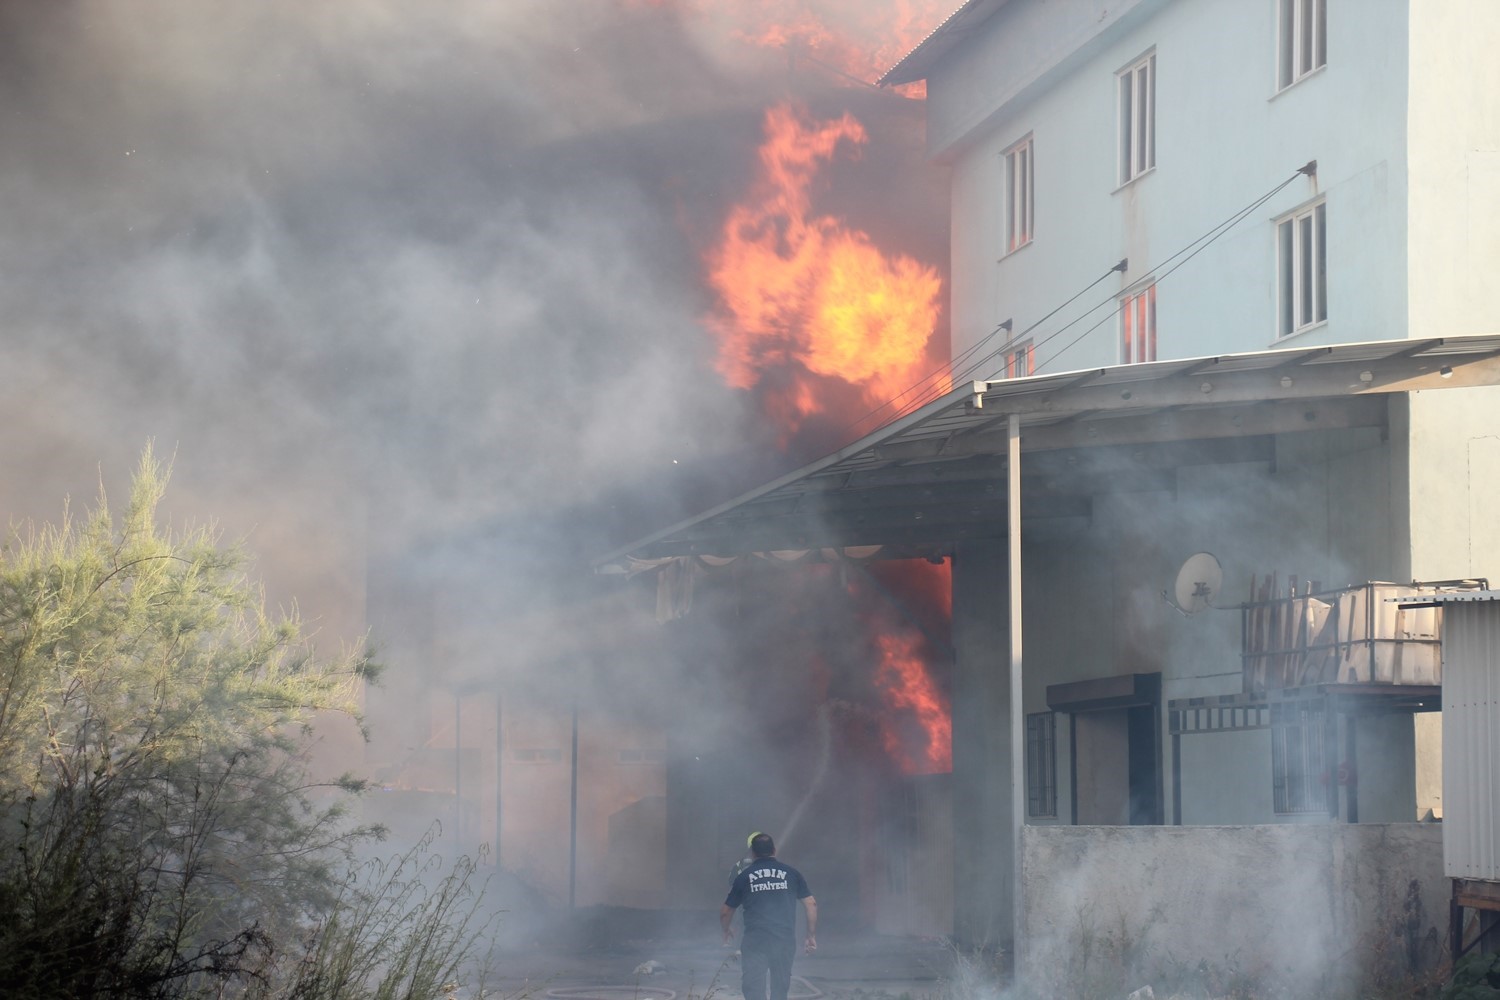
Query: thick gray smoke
x=413, y=296
x=381, y=276
x=433, y=251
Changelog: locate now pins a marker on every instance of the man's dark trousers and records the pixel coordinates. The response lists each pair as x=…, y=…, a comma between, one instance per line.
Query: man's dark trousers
x=763, y=957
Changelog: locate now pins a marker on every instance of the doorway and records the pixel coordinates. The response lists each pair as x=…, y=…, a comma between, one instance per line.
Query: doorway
x=1115, y=739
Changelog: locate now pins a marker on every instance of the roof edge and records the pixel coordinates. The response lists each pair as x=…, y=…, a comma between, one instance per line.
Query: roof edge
x=1345, y=370
x=917, y=416
x=915, y=64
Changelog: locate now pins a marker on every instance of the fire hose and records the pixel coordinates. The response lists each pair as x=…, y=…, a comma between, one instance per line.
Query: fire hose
x=825, y=752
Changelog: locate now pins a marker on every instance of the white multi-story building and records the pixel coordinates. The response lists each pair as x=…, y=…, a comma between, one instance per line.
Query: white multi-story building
x=1083, y=132
x=1144, y=180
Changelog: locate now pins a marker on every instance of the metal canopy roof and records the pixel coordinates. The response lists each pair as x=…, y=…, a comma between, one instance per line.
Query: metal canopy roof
x=937, y=475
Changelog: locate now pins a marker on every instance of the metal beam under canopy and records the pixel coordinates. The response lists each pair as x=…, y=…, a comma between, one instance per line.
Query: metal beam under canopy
x=937, y=475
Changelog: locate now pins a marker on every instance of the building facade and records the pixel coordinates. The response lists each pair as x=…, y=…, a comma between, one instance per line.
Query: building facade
x=1084, y=133
x=1143, y=181
x=1221, y=284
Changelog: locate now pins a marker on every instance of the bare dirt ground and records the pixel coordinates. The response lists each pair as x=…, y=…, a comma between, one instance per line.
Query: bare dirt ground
x=694, y=968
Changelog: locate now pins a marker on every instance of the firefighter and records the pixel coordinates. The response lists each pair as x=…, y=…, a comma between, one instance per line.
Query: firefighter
x=744, y=862
x=768, y=889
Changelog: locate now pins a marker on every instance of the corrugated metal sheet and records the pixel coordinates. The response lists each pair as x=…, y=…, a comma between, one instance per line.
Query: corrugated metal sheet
x=1471, y=738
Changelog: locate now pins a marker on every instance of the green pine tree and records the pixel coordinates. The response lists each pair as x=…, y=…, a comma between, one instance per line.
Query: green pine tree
x=158, y=828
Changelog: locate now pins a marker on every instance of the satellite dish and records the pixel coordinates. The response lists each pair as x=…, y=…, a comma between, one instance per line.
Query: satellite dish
x=1198, y=582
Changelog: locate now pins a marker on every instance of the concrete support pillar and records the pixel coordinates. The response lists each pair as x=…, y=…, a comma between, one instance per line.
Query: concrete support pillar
x=983, y=837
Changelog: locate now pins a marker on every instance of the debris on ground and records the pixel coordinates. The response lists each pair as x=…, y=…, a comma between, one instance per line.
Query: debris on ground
x=649, y=968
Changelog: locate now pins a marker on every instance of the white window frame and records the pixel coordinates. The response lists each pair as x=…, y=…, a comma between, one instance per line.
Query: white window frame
x=1302, y=269
x=1020, y=359
x=1301, y=40
x=1138, y=324
x=1135, y=118
x=1020, y=194
x=1299, y=760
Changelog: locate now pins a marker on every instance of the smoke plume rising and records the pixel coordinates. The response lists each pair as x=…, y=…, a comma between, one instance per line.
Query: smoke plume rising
x=415, y=296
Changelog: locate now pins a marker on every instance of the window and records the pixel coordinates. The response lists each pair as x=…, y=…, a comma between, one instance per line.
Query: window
x=537, y=755
x=1041, y=765
x=1303, y=44
x=1302, y=268
x=1299, y=771
x=1020, y=360
x=1138, y=325
x=639, y=755
x=1137, y=86
x=1019, y=169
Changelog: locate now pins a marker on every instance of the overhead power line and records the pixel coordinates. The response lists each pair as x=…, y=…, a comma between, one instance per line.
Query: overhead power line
x=930, y=386
x=1187, y=253
x=963, y=367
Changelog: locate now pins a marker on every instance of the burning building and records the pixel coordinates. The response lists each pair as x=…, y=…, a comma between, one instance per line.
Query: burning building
x=349, y=291
x=1239, y=372
x=384, y=347
x=820, y=295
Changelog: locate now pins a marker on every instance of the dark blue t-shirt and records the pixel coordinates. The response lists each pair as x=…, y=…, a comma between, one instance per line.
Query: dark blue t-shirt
x=768, y=890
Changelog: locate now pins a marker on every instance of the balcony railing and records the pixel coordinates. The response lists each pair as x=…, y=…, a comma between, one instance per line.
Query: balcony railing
x=1353, y=635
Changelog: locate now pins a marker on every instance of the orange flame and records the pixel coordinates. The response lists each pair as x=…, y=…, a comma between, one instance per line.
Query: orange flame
x=804, y=296
x=816, y=320
x=903, y=678
x=931, y=584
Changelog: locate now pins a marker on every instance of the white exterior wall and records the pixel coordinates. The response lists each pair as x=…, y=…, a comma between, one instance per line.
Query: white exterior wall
x=1453, y=475
x=1224, y=137
x=1427, y=730
x=1453, y=244
x=1453, y=124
